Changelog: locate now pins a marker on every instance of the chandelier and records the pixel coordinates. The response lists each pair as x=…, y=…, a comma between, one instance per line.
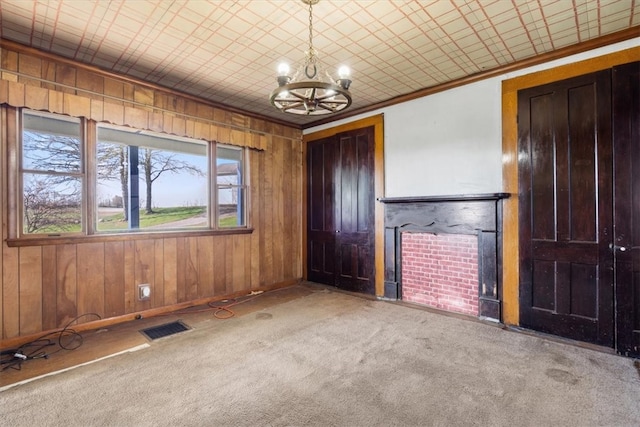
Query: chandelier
x=311, y=90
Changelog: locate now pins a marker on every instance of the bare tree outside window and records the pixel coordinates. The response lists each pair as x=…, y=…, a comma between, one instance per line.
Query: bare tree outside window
x=50, y=205
x=52, y=174
x=112, y=165
x=156, y=163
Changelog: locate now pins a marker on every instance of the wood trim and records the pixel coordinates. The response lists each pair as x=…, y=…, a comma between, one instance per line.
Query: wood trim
x=89, y=144
x=377, y=122
x=140, y=116
x=511, y=278
x=3, y=208
x=11, y=163
x=103, y=238
x=378, y=161
x=305, y=208
x=571, y=70
x=605, y=40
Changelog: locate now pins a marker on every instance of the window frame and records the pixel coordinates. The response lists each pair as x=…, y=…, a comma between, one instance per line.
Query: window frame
x=163, y=139
x=89, y=233
x=81, y=173
x=243, y=187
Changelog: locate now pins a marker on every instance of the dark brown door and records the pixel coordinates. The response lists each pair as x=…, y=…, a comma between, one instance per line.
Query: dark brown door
x=566, y=208
x=340, y=222
x=626, y=135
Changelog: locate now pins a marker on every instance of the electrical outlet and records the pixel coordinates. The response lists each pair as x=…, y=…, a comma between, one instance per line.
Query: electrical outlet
x=144, y=291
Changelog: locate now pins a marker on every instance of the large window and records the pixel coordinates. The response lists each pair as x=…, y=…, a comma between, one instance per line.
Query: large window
x=138, y=180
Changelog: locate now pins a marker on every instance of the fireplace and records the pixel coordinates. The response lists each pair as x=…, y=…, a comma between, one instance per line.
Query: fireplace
x=445, y=252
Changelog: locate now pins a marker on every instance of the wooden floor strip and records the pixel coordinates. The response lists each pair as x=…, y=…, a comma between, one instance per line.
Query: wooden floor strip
x=130, y=350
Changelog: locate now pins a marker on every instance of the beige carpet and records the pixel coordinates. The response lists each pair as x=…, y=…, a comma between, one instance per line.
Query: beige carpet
x=331, y=359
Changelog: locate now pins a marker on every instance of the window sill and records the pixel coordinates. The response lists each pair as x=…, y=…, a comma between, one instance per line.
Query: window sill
x=66, y=240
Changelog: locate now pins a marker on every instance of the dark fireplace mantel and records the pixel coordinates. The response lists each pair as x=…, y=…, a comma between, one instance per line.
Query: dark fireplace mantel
x=477, y=214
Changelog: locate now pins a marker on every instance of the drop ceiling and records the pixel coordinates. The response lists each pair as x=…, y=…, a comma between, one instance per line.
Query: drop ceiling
x=227, y=51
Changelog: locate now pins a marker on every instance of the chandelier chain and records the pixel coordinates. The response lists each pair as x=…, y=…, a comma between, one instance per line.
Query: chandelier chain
x=311, y=51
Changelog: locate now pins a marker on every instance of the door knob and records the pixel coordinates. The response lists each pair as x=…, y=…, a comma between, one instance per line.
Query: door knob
x=617, y=247
x=337, y=231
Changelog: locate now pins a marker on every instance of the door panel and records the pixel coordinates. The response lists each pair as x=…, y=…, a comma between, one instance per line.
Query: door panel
x=341, y=211
x=566, y=217
x=626, y=130
x=356, y=225
x=321, y=228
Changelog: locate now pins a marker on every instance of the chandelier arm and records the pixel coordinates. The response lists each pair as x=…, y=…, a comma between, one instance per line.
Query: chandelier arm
x=334, y=105
x=297, y=95
x=327, y=98
x=294, y=105
x=332, y=109
x=288, y=103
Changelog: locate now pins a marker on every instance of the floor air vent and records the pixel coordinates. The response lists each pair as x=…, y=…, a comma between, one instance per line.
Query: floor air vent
x=164, y=330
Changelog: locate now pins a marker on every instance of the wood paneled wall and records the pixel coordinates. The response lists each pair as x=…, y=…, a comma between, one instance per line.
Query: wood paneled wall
x=45, y=287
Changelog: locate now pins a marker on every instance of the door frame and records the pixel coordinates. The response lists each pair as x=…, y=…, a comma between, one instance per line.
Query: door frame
x=377, y=122
x=510, y=88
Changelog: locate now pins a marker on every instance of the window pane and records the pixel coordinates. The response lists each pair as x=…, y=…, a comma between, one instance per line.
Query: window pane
x=112, y=186
x=52, y=204
x=230, y=180
x=173, y=189
x=51, y=143
x=167, y=190
x=52, y=181
x=230, y=203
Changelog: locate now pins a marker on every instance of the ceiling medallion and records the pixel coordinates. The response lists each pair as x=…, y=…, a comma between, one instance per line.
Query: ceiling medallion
x=311, y=90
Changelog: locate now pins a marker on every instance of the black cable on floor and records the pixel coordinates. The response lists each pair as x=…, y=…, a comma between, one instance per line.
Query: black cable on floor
x=67, y=339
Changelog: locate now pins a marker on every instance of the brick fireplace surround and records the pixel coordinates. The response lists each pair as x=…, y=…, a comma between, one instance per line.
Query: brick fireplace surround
x=445, y=252
x=441, y=271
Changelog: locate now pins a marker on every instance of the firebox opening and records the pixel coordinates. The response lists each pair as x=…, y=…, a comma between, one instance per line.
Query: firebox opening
x=441, y=271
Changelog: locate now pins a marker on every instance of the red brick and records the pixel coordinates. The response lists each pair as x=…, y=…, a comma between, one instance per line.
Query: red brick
x=441, y=271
